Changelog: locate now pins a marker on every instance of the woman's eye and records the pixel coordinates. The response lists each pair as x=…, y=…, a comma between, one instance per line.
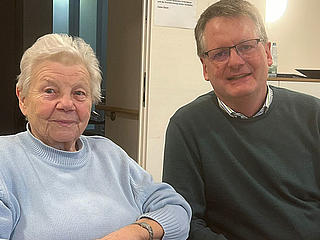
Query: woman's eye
x=80, y=93
x=49, y=91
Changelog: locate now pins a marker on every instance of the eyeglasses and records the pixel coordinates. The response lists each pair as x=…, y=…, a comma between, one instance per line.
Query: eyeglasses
x=244, y=49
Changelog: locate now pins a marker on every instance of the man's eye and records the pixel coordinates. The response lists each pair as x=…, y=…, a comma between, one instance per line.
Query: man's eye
x=220, y=54
x=245, y=47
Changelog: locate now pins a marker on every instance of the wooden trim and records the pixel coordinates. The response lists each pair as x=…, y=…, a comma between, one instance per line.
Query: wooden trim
x=294, y=79
x=113, y=112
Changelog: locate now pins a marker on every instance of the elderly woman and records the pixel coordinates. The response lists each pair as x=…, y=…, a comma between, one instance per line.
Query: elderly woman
x=58, y=184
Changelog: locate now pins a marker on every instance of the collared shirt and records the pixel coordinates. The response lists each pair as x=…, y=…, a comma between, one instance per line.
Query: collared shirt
x=262, y=110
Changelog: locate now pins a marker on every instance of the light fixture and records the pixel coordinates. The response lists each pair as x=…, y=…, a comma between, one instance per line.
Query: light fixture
x=275, y=9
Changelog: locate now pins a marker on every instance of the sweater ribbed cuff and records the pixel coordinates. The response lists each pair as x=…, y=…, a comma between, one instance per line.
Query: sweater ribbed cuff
x=171, y=218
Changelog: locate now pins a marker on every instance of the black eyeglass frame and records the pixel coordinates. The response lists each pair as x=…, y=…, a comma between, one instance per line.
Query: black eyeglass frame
x=234, y=46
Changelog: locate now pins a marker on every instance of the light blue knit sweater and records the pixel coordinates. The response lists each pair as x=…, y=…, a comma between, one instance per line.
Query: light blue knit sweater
x=46, y=193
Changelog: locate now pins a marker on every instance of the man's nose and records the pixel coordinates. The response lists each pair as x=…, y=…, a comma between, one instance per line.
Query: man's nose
x=235, y=57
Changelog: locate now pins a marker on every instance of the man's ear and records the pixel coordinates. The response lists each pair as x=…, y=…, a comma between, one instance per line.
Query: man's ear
x=22, y=104
x=204, y=69
x=268, y=53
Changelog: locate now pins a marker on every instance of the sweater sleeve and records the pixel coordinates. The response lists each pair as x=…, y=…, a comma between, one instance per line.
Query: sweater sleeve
x=182, y=169
x=9, y=212
x=160, y=202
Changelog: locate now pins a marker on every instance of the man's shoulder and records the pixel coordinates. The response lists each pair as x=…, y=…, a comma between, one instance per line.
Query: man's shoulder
x=197, y=106
x=294, y=97
x=288, y=92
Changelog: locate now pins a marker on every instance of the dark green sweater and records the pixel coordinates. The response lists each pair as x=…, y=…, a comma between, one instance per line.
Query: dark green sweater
x=248, y=179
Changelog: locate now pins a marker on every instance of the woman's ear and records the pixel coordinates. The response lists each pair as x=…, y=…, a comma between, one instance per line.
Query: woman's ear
x=22, y=105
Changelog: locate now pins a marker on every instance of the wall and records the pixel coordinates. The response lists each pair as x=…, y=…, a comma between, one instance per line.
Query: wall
x=124, y=71
x=297, y=34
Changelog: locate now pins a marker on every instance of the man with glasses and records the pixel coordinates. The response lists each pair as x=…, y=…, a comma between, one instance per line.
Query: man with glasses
x=246, y=156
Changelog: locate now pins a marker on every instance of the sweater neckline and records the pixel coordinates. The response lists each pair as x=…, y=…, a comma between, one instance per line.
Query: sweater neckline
x=251, y=119
x=56, y=157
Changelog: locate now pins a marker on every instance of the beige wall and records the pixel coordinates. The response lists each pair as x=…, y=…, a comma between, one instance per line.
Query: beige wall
x=297, y=34
x=175, y=78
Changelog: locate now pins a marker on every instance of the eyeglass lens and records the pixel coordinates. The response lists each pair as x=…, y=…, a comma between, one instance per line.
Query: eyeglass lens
x=244, y=49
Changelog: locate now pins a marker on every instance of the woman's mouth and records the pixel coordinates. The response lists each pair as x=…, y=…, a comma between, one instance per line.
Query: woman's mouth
x=65, y=123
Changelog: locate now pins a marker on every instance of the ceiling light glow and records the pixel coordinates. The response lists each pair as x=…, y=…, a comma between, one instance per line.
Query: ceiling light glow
x=275, y=9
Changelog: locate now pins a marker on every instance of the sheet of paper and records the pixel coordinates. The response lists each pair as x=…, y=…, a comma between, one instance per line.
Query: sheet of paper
x=175, y=13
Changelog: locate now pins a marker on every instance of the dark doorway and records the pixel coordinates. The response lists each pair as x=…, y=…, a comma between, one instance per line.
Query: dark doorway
x=21, y=23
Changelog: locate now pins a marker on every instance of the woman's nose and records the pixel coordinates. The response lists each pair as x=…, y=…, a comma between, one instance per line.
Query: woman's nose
x=66, y=103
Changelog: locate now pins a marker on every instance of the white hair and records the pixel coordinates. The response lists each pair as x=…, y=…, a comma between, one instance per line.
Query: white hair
x=58, y=47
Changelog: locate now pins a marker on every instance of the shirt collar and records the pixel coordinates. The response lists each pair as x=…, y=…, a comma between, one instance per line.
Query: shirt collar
x=262, y=110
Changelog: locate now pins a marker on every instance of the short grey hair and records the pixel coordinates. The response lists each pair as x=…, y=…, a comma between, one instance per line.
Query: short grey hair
x=228, y=8
x=58, y=47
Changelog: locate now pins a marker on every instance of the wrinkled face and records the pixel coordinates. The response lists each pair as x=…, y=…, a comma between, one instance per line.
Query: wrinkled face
x=58, y=103
x=237, y=77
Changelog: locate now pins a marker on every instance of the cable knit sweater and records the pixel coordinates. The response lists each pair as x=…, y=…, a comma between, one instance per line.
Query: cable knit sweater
x=46, y=193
